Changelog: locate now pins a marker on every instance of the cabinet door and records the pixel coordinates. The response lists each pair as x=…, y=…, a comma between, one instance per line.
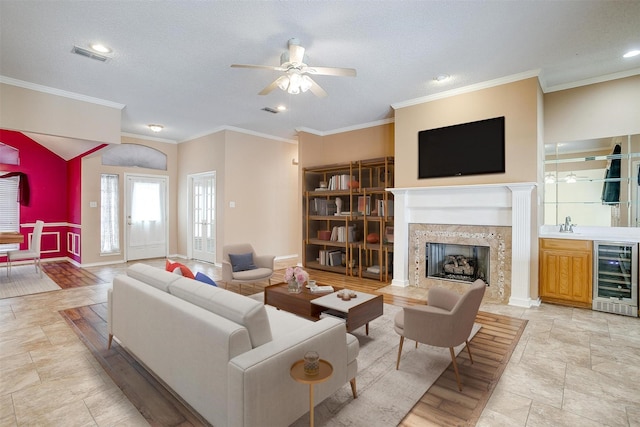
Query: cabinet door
x=566, y=276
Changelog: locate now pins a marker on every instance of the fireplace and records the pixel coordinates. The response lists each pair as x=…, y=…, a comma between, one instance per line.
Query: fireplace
x=459, y=263
x=501, y=216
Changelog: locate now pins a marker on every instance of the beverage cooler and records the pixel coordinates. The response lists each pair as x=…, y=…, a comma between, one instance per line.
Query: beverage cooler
x=615, y=277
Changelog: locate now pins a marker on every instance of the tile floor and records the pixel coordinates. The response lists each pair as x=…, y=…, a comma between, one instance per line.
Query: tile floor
x=572, y=367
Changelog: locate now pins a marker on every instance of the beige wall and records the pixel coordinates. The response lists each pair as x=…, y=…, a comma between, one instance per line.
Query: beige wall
x=92, y=168
x=263, y=183
x=517, y=101
x=32, y=111
x=372, y=142
x=595, y=111
x=205, y=154
x=256, y=174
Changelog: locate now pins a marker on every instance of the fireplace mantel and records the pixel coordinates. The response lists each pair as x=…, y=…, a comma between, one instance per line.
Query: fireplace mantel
x=509, y=204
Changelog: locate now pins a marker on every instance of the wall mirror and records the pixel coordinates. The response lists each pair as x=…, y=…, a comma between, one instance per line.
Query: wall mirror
x=595, y=182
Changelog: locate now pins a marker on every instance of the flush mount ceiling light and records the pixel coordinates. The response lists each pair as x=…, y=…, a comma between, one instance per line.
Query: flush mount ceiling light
x=155, y=128
x=631, y=54
x=281, y=108
x=441, y=78
x=99, y=47
x=571, y=178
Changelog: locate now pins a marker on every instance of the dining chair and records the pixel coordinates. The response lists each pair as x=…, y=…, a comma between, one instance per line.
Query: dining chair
x=33, y=252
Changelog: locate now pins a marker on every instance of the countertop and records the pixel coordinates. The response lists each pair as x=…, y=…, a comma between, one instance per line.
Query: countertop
x=608, y=234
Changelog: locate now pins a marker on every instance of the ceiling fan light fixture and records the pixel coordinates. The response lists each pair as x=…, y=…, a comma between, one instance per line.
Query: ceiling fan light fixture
x=306, y=83
x=283, y=82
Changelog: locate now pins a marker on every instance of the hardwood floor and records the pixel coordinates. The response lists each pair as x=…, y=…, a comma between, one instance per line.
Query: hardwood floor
x=442, y=405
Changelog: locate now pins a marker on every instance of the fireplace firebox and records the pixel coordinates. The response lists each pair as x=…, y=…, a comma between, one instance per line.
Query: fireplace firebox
x=461, y=263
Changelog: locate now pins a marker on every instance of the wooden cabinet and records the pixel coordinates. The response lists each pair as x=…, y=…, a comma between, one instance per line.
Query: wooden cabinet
x=348, y=218
x=566, y=271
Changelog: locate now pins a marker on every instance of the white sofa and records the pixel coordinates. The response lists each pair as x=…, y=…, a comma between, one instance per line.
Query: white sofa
x=226, y=355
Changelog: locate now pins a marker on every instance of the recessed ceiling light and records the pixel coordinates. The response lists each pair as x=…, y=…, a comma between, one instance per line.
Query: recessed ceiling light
x=98, y=47
x=156, y=128
x=631, y=54
x=442, y=77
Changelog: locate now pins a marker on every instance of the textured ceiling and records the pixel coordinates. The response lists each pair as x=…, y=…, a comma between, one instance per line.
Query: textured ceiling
x=171, y=59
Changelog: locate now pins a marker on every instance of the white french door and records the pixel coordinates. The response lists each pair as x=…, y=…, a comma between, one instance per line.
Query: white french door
x=203, y=216
x=146, y=216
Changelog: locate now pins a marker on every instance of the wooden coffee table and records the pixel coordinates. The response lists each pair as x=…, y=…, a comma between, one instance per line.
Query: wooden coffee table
x=356, y=312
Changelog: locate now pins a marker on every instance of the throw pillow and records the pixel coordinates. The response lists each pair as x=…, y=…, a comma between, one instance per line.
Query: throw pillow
x=182, y=269
x=201, y=277
x=242, y=262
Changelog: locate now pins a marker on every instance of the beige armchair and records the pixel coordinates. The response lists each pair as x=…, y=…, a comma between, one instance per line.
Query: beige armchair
x=32, y=253
x=446, y=322
x=245, y=269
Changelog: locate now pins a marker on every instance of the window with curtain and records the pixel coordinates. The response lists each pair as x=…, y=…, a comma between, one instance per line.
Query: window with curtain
x=109, y=215
x=9, y=208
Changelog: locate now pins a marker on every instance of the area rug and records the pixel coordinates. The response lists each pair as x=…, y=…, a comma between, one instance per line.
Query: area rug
x=385, y=395
x=24, y=281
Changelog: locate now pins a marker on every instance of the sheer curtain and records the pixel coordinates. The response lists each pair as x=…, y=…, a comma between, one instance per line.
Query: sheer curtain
x=9, y=208
x=109, y=224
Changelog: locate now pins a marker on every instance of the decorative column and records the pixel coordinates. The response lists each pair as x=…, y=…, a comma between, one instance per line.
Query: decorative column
x=521, y=230
x=400, y=238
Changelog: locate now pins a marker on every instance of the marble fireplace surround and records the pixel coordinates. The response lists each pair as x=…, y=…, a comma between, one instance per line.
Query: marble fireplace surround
x=498, y=239
x=500, y=205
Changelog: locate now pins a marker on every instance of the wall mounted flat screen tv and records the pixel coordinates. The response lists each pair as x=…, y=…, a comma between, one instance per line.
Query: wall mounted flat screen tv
x=466, y=149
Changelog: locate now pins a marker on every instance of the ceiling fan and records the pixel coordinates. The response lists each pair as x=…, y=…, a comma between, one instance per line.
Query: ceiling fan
x=296, y=78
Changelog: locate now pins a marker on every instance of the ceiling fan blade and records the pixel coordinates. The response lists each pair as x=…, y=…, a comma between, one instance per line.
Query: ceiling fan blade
x=317, y=90
x=268, y=89
x=262, y=67
x=296, y=53
x=330, y=71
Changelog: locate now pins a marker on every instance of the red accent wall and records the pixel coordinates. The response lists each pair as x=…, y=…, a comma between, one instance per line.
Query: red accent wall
x=47, y=174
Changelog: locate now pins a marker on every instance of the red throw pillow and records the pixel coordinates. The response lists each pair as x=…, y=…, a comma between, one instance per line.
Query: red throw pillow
x=184, y=270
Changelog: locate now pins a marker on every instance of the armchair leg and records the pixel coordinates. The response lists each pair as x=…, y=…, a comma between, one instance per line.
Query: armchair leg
x=353, y=387
x=469, y=351
x=399, y=352
x=110, y=341
x=455, y=367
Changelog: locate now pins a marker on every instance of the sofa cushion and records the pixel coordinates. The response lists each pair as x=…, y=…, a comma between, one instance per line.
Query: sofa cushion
x=242, y=262
x=152, y=276
x=239, y=309
x=255, y=274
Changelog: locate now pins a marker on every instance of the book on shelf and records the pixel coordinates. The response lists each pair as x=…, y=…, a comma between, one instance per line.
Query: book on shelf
x=385, y=206
x=323, y=207
x=340, y=182
x=364, y=205
x=334, y=258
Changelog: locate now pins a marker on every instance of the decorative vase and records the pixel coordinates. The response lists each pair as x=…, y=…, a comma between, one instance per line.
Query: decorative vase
x=294, y=287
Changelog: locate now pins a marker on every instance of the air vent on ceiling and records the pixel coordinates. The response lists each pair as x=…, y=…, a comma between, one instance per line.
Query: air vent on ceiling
x=88, y=53
x=270, y=110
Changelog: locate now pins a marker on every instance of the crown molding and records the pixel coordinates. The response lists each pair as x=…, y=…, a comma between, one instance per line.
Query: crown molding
x=467, y=89
x=594, y=80
x=148, y=138
x=240, y=130
x=58, y=92
x=346, y=129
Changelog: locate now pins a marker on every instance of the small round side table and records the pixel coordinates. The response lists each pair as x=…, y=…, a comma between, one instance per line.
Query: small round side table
x=297, y=373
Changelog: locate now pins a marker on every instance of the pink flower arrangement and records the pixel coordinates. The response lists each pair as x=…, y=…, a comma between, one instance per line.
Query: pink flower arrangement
x=297, y=274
